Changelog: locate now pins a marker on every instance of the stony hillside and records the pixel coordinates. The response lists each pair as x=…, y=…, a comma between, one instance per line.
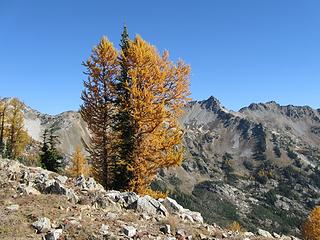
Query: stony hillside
x=70, y=128
x=258, y=166
x=38, y=204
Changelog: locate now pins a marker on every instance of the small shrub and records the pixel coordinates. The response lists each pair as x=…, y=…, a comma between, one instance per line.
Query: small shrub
x=291, y=154
x=174, y=180
x=154, y=194
x=262, y=177
x=159, y=186
x=248, y=165
x=271, y=197
x=236, y=227
x=232, y=179
x=227, y=163
x=277, y=151
x=260, y=138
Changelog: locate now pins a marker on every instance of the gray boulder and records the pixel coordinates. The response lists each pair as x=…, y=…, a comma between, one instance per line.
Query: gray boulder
x=14, y=207
x=28, y=190
x=129, y=231
x=61, y=179
x=55, y=187
x=125, y=199
x=13, y=167
x=104, y=229
x=166, y=229
x=42, y=225
x=128, y=198
x=53, y=234
x=264, y=233
x=173, y=207
x=88, y=185
x=282, y=205
x=149, y=205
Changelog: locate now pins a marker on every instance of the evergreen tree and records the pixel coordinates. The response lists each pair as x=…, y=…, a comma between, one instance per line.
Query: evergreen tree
x=98, y=109
x=50, y=157
x=124, y=123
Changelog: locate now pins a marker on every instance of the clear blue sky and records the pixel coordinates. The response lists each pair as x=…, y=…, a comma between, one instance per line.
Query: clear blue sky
x=239, y=51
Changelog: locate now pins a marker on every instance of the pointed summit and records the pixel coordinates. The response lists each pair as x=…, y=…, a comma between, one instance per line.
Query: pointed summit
x=212, y=103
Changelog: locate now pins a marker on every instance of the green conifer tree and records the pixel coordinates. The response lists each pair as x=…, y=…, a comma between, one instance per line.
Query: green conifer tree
x=124, y=123
x=50, y=157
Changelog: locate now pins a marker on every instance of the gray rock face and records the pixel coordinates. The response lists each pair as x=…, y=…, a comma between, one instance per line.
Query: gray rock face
x=244, y=160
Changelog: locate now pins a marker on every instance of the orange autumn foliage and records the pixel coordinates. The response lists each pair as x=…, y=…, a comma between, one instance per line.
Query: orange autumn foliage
x=311, y=228
x=98, y=110
x=158, y=91
x=79, y=165
x=131, y=103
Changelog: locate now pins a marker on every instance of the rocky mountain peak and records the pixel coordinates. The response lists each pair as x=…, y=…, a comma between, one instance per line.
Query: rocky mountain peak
x=212, y=104
x=271, y=105
x=257, y=166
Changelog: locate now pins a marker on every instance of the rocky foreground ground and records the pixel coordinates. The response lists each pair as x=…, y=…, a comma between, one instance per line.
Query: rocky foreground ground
x=39, y=204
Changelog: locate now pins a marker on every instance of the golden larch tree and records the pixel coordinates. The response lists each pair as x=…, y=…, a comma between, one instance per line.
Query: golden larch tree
x=17, y=137
x=79, y=164
x=3, y=117
x=98, y=108
x=158, y=90
x=311, y=228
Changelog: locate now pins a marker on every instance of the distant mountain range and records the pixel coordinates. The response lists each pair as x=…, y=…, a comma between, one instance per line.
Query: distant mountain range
x=258, y=166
